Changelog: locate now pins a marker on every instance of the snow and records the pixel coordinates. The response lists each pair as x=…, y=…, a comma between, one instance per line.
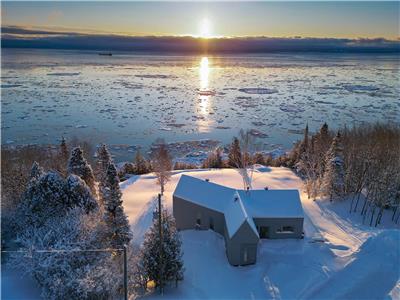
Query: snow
x=16, y=286
x=355, y=261
x=236, y=215
x=208, y=194
x=272, y=203
x=257, y=202
x=338, y=258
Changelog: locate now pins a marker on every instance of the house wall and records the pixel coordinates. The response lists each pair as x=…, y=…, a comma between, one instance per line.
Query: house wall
x=186, y=214
x=244, y=238
x=274, y=224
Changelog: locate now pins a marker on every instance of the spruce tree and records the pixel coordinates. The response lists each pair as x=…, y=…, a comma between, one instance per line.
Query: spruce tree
x=103, y=160
x=64, y=153
x=333, y=178
x=235, y=154
x=78, y=194
x=79, y=166
x=44, y=198
x=36, y=172
x=304, y=143
x=117, y=231
x=170, y=265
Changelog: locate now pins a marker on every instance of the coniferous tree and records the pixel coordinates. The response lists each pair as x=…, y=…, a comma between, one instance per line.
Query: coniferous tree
x=79, y=166
x=117, y=231
x=103, y=160
x=304, y=143
x=333, y=178
x=167, y=261
x=36, y=172
x=235, y=154
x=78, y=194
x=63, y=156
x=44, y=198
x=50, y=195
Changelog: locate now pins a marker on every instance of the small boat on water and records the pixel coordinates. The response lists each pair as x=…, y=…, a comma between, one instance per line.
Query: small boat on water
x=105, y=53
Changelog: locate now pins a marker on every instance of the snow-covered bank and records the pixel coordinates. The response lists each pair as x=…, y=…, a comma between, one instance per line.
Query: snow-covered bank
x=350, y=248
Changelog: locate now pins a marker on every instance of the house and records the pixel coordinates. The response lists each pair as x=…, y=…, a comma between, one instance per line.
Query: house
x=242, y=217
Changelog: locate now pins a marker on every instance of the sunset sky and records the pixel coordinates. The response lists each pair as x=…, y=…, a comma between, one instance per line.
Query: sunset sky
x=273, y=19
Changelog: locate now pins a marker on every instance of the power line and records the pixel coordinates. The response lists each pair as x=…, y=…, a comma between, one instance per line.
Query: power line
x=62, y=250
x=124, y=250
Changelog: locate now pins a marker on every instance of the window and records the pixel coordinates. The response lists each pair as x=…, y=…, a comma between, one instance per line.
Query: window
x=285, y=229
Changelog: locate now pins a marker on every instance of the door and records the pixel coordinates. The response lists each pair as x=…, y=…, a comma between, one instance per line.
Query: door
x=263, y=232
x=248, y=254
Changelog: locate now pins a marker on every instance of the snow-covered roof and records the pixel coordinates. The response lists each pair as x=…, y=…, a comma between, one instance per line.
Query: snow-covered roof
x=236, y=215
x=240, y=206
x=199, y=191
x=272, y=203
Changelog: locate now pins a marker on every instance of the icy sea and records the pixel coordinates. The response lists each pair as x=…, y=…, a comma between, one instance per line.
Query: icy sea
x=130, y=100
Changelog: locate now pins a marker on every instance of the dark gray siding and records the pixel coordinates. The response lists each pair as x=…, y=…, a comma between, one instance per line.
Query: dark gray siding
x=241, y=249
x=186, y=214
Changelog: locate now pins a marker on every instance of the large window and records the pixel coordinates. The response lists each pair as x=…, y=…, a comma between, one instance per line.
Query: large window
x=285, y=229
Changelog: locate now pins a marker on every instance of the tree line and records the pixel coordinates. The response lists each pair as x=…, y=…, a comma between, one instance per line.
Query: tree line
x=361, y=163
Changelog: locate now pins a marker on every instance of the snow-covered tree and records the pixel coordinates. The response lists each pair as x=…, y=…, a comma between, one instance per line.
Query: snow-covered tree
x=103, y=160
x=78, y=194
x=162, y=165
x=161, y=259
x=49, y=195
x=117, y=232
x=67, y=272
x=79, y=166
x=44, y=198
x=36, y=172
x=333, y=178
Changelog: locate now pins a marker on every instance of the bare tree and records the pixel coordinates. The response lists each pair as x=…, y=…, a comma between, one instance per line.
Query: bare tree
x=240, y=156
x=162, y=164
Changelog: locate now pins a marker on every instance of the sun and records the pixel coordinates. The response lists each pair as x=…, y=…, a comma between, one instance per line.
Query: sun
x=205, y=28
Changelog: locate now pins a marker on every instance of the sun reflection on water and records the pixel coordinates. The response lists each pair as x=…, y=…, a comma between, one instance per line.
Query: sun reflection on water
x=205, y=94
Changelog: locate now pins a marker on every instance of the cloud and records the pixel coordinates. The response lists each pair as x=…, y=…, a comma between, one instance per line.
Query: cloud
x=54, y=16
x=17, y=37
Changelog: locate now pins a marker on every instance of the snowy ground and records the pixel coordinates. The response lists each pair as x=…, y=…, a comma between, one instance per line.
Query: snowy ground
x=354, y=262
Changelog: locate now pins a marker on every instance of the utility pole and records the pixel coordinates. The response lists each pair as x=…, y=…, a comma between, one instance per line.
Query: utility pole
x=161, y=244
x=125, y=275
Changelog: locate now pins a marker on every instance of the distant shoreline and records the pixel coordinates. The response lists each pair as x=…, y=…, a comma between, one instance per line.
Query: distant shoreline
x=14, y=37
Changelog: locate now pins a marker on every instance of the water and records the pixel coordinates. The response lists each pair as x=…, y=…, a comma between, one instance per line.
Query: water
x=134, y=99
